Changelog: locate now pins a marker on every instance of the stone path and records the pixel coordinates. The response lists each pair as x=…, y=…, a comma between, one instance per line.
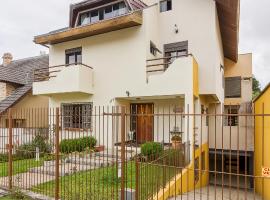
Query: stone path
x=3, y=193
x=203, y=194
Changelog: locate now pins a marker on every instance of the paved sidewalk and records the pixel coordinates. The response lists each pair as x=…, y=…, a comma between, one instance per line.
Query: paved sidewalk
x=213, y=194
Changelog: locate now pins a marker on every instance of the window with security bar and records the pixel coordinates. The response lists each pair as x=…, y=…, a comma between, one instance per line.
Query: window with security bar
x=77, y=115
x=232, y=119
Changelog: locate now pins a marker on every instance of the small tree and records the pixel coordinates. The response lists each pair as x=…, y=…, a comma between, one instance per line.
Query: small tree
x=256, y=87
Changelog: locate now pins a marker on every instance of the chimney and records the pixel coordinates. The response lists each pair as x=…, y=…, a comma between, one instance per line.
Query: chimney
x=7, y=58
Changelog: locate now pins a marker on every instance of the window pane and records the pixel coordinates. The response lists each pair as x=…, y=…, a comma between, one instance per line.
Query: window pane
x=70, y=59
x=85, y=19
x=108, y=12
x=182, y=53
x=163, y=6
x=101, y=14
x=122, y=8
x=169, y=5
x=79, y=58
x=94, y=16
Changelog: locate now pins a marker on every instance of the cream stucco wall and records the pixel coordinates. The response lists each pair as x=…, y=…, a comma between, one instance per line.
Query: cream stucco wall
x=120, y=56
x=119, y=59
x=242, y=68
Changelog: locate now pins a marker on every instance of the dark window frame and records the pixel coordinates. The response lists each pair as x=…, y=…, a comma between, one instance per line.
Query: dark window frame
x=176, y=48
x=233, y=119
x=73, y=116
x=233, y=87
x=153, y=48
x=99, y=13
x=76, y=52
x=168, y=5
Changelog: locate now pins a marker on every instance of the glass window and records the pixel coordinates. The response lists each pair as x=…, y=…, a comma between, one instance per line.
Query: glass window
x=108, y=12
x=233, y=118
x=102, y=13
x=77, y=115
x=84, y=19
x=122, y=8
x=73, y=56
x=94, y=16
x=165, y=5
x=153, y=49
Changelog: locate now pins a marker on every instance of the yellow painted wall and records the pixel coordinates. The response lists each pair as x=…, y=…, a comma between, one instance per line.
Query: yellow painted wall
x=186, y=178
x=262, y=139
x=195, y=78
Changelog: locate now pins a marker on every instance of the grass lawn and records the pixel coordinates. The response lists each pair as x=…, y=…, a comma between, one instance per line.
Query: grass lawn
x=6, y=198
x=11, y=198
x=19, y=166
x=102, y=183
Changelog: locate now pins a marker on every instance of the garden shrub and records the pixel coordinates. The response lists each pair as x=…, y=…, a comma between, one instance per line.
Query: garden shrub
x=77, y=144
x=27, y=151
x=151, y=150
x=173, y=157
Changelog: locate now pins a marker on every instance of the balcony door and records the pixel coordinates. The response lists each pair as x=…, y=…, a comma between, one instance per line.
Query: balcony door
x=142, y=122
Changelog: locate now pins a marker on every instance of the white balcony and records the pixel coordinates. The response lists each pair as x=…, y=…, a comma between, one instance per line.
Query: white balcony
x=75, y=78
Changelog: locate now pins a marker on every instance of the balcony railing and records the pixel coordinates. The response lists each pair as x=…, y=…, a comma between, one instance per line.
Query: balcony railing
x=45, y=74
x=161, y=64
x=59, y=79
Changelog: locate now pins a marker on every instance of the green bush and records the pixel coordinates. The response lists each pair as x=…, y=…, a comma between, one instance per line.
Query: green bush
x=151, y=150
x=27, y=151
x=77, y=145
x=3, y=157
x=173, y=157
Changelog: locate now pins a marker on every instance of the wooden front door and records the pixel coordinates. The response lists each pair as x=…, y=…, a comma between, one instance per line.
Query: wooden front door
x=142, y=122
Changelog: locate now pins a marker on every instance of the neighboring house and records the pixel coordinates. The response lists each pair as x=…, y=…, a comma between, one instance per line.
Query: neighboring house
x=16, y=79
x=262, y=138
x=177, y=55
x=236, y=137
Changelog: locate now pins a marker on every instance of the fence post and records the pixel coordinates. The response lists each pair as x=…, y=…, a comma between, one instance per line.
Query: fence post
x=57, y=187
x=137, y=179
x=10, y=145
x=123, y=128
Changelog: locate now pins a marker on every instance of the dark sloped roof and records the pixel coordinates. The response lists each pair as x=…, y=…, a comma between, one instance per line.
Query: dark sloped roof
x=84, y=5
x=14, y=97
x=20, y=72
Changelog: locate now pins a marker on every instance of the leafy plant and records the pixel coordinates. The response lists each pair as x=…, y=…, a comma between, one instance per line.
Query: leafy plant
x=27, y=151
x=256, y=87
x=151, y=150
x=78, y=144
x=16, y=193
x=176, y=138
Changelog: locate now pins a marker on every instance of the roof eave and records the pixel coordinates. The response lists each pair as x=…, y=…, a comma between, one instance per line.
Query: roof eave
x=229, y=15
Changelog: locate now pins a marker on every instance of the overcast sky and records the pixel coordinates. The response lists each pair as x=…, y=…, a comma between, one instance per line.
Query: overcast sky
x=21, y=20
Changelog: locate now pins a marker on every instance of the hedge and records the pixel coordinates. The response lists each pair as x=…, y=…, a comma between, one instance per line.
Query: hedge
x=151, y=150
x=77, y=145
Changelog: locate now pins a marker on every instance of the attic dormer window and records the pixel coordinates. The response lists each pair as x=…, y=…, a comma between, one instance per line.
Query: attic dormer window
x=106, y=12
